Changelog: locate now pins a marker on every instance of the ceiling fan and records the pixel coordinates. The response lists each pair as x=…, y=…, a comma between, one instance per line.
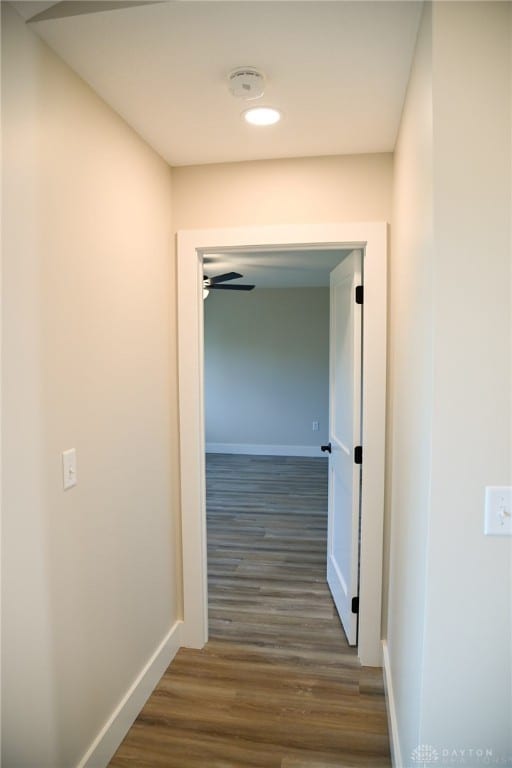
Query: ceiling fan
x=218, y=283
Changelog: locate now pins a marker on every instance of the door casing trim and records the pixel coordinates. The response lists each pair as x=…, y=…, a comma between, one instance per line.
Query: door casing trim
x=191, y=246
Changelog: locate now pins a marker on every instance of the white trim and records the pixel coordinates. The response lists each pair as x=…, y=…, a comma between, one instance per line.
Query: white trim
x=192, y=445
x=115, y=729
x=396, y=752
x=374, y=445
x=192, y=244
x=310, y=451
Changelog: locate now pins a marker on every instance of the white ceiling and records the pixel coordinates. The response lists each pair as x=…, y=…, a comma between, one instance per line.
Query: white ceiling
x=276, y=269
x=338, y=71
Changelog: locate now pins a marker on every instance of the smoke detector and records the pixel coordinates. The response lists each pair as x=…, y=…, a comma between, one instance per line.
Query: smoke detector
x=246, y=83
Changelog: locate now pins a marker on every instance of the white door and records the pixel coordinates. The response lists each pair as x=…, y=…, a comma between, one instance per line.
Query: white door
x=344, y=436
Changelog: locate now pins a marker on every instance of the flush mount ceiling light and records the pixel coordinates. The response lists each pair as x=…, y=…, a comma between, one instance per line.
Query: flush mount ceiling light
x=262, y=115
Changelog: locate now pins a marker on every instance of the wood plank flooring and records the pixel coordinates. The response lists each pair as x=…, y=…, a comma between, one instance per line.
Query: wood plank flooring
x=276, y=685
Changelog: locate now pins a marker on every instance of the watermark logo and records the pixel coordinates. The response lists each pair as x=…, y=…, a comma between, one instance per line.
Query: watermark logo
x=425, y=754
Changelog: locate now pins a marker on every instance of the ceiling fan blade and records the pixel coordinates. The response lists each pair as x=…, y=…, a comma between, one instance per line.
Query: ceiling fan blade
x=224, y=278
x=231, y=287
x=67, y=8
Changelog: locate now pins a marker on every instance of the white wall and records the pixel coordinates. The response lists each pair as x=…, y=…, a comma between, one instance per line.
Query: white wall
x=302, y=190
x=410, y=391
x=449, y=620
x=468, y=614
x=90, y=575
x=267, y=367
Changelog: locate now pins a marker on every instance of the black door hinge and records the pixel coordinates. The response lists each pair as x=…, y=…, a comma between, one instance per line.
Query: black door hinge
x=358, y=454
x=355, y=605
x=359, y=294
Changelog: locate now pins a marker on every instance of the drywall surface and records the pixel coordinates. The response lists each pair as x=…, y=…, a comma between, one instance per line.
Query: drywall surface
x=449, y=602
x=302, y=190
x=410, y=392
x=267, y=366
x=89, y=575
x=467, y=652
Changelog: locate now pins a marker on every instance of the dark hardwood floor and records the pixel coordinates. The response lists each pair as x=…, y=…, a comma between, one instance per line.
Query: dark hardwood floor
x=276, y=685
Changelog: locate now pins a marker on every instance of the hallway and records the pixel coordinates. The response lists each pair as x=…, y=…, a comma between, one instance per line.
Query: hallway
x=277, y=684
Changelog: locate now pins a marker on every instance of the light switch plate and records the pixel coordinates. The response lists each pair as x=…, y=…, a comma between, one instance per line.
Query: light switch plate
x=498, y=510
x=69, y=468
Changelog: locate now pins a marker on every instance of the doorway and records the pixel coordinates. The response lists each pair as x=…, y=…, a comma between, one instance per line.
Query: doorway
x=192, y=246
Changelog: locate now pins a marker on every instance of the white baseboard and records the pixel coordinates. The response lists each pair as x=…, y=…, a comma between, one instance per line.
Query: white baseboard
x=117, y=726
x=265, y=450
x=396, y=752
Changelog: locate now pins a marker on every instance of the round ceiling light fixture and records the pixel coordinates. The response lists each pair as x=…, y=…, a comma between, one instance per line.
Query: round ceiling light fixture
x=262, y=115
x=246, y=83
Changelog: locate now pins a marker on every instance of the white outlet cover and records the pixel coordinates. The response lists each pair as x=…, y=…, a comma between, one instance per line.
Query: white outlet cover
x=69, y=468
x=498, y=510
